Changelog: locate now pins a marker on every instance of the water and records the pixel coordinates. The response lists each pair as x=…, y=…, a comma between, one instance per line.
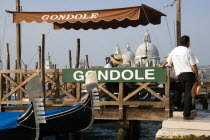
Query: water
x=108, y=131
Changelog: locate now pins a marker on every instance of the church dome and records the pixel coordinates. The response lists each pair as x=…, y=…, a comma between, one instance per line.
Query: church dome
x=147, y=50
x=128, y=55
x=147, y=53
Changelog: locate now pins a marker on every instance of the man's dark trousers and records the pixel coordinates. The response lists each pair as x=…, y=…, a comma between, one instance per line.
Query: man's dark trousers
x=187, y=79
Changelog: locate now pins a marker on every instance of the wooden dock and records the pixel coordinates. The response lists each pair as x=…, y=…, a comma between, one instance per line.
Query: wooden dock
x=123, y=106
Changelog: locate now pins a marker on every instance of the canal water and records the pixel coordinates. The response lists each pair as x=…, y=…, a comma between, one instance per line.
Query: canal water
x=109, y=130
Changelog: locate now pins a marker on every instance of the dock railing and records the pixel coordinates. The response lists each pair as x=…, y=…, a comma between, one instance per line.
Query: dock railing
x=66, y=87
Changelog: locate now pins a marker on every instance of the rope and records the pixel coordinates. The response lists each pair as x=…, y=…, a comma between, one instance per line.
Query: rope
x=171, y=5
x=151, y=27
x=28, y=126
x=169, y=33
x=36, y=52
x=32, y=59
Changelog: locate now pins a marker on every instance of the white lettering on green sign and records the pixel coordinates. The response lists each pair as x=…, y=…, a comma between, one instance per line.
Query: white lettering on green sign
x=116, y=75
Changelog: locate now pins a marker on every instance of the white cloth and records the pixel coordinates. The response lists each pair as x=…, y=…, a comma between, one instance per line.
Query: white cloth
x=108, y=65
x=183, y=59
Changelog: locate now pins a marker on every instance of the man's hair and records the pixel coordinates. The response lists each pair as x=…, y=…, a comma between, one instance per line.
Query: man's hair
x=184, y=40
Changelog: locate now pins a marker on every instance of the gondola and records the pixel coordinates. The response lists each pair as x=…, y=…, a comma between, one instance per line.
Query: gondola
x=70, y=119
x=18, y=125
x=60, y=121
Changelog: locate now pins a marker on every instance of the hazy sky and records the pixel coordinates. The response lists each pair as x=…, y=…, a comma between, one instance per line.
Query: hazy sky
x=98, y=44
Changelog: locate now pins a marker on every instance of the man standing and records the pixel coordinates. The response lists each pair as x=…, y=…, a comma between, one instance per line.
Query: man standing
x=185, y=66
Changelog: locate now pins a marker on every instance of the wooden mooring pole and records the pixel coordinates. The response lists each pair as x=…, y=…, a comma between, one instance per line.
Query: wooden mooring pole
x=70, y=60
x=130, y=130
x=18, y=48
x=40, y=57
x=87, y=62
x=7, y=67
x=178, y=21
x=77, y=53
x=43, y=64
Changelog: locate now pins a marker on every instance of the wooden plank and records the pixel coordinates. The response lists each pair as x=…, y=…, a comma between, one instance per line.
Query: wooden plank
x=68, y=94
x=135, y=91
x=57, y=85
x=107, y=92
x=48, y=93
x=84, y=97
x=48, y=71
x=49, y=80
x=153, y=92
x=18, y=87
x=15, y=102
x=72, y=85
x=109, y=102
x=131, y=114
x=25, y=76
x=145, y=103
x=13, y=82
x=106, y=114
x=146, y=114
x=21, y=92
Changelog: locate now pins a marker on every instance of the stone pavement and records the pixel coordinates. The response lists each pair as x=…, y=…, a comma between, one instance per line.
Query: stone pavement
x=177, y=128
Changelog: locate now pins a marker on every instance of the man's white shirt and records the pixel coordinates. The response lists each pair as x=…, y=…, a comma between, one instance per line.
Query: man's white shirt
x=183, y=59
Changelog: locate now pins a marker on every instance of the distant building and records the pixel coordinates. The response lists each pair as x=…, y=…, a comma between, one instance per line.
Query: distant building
x=48, y=63
x=147, y=54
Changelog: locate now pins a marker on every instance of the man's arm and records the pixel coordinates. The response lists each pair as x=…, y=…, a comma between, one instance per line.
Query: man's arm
x=195, y=70
x=164, y=63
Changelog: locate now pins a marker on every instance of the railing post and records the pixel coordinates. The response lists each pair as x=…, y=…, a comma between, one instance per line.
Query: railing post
x=78, y=92
x=121, y=92
x=21, y=92
x=167, y=94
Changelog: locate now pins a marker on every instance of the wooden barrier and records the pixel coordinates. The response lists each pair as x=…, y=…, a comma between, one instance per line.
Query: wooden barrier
x=123, y=106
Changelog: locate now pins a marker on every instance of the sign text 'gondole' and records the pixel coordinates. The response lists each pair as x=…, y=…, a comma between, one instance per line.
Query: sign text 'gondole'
x=117, y=75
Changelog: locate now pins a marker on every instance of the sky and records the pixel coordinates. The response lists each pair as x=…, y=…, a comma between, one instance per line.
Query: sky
x=98, y=44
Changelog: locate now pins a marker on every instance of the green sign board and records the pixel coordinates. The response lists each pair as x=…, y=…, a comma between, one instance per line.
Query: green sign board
x=117, y=74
